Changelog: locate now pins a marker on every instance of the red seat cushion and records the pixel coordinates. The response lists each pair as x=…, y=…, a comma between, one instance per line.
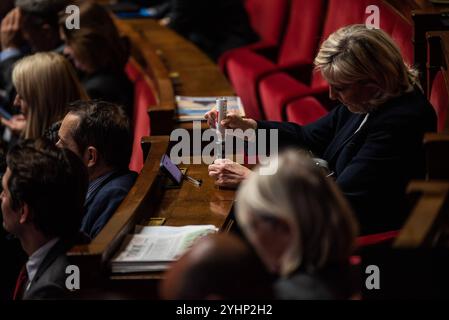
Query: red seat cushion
x=143, y=99
x=305, y=110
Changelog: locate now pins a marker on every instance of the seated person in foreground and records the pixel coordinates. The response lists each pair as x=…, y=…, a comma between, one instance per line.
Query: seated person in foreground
x=302, y=228
x=220, y=266
x=100, y=55
x=372, y=142
x=32, y=24
x=42, y=205
x=98, y=132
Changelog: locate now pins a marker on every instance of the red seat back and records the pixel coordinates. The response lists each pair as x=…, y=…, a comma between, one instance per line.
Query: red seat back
x=300, y=42
x=267, y=18
x=439, y=98
x=143, y=98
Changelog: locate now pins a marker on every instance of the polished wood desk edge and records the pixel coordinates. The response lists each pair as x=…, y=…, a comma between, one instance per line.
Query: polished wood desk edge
x=436, y=138
x=153, y=67
x=126, y=215
x=417, y=231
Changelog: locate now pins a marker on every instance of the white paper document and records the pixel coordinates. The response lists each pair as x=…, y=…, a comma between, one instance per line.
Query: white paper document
x=152, y=248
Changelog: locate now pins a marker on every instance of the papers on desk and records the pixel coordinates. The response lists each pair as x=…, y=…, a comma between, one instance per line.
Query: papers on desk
x=194, y=108
x=153, y=248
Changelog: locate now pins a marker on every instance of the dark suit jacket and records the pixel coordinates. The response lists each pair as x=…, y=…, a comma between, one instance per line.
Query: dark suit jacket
x=101, y=204
x=49, y=281
x=110, y=87
x=374, y=165
x=214, y=26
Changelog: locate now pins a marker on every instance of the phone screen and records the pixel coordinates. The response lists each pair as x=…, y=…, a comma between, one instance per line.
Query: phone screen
x=170, y=168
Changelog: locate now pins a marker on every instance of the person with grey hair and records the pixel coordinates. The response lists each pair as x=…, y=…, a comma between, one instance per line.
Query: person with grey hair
x=301, y=226
x=31, y=26
x=372, y=141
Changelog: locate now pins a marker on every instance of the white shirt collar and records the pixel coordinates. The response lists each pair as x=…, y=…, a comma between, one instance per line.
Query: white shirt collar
x=35, y=260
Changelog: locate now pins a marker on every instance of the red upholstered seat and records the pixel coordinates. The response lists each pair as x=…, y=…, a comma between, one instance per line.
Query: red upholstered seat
x=305, y=110
x=279, y=89
x=376, y=239
x=439, y=98
x=246, y=68
x=143, y=98
x=267, y=18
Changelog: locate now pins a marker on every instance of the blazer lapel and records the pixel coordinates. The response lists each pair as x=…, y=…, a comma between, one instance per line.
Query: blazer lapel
x=345, y=135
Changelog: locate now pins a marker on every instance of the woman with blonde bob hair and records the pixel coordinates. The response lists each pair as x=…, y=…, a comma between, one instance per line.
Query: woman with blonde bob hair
x=372, y=141
x=301, y=226
x=45, y=83
x=370, y=59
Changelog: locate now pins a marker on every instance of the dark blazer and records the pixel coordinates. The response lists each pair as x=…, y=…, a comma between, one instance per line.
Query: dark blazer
x=214, y=26
x=101, y=204
x=374, y=165
x=49, y=281
x=107, y=86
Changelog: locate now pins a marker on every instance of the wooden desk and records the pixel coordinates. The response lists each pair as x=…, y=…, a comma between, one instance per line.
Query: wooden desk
x=176, y=66
x=149, y=198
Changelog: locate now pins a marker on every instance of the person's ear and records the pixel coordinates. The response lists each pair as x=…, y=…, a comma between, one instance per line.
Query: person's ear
x=91, y=156
x=25, y=214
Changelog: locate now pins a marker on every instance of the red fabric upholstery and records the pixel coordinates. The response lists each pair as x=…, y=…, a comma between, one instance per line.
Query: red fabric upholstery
x=246, y=68
x=143, y=98
x=439, y=98
x=278, y=89
x=267, y=19
x=305, y=110
x=378, y=238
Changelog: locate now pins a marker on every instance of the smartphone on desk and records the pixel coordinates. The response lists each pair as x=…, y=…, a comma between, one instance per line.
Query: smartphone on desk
x=171, y=170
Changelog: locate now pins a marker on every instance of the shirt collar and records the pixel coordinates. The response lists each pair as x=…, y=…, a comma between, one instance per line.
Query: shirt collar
x=95, y=184
x=35, y=260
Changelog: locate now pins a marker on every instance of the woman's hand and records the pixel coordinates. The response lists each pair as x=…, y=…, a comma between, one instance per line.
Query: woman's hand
x=10, y=34
x=16, y=124
x=233, y=120
x=227, y=173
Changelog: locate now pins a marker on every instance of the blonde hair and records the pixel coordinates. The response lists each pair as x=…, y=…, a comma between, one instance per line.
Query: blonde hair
x=355, y=54
x=47, y=83
x=322, y=224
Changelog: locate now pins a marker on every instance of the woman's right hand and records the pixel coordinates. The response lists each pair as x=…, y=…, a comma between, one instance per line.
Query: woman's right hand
x=233, y=120
x=16, y=124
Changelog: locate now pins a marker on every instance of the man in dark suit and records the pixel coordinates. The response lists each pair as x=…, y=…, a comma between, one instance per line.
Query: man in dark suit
x=42, y=205
x=30, y=26
x=99, y=133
